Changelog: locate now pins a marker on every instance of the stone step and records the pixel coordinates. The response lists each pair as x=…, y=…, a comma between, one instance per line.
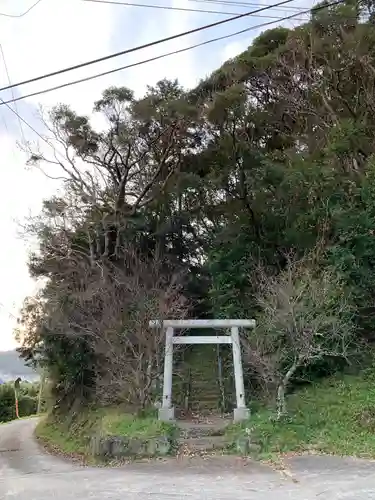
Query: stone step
x=206, y=387
x=204, y=402
x=213, y=426
x=207, y=394
x=204, y=399
x=201, y=380
x=195, y=395
x=202, y=444
x=198, y=396
x=205, y=409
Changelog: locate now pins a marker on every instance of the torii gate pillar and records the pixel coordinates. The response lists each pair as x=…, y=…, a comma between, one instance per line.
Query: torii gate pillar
x=166, y=412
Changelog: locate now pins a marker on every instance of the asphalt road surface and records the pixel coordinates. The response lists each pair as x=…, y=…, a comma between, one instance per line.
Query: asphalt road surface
x=28, y=473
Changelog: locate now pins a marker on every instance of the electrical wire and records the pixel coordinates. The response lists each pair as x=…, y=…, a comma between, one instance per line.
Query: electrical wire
x=5, y=123
x=162, y=56
x=12, y=92
x=144, y=46
x=246, y=4
x=180, y=9
x=2, y=307
x=7, y=131
x=3, y=103
x=17, y=16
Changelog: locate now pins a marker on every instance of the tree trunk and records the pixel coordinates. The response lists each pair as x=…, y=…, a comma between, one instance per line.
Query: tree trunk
x=283, y=384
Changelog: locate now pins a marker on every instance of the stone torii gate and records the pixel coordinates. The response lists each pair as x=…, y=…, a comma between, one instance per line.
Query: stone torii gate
x=166, y=412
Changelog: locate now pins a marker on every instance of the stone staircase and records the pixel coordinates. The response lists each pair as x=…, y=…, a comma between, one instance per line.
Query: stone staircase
x=202, y=437
x=205, y=395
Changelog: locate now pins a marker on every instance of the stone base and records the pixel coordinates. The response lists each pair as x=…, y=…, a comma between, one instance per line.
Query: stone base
x=166, y=414
x=240, y=414
x=120, y=446
x=245, y=447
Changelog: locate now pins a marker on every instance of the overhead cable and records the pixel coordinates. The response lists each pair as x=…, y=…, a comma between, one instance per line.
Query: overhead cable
x=156, y=58
x=178, y=9
x=237, y=3
x=12, y=91
x=144, y=46
x=15, y=16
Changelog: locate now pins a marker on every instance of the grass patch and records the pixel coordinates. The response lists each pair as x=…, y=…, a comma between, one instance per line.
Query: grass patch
x=115, y=423
x=69, y=437
x=74, y=439
x=333, y=417
x=57, y=438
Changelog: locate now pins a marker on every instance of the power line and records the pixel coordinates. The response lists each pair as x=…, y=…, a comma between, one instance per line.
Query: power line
x=23, y=14
x=4, y=123
x=145, y=46
x=12, y=91
x=246, y=4
x=178, y=9
x=3, y=103
x=7, y=131
x=56, y=151
x=2, y=306
x=162, y=56
x=15, y=111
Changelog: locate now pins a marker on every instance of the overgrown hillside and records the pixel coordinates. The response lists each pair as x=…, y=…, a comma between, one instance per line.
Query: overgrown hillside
x=335, y=416
x=252, y=195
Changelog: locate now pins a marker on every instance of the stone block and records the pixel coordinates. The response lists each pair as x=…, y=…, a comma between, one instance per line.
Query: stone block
x=246, y=447
x=241, y=414
x=137, y=447
x=120, y=446
x=166, y=414
x=102, y=446
x=163, y=446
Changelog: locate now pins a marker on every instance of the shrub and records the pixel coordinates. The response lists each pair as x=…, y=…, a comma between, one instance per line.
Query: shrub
x=306, y=318
x=27, y=400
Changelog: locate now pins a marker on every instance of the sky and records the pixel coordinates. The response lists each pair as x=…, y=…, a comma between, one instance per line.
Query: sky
x=59, y=33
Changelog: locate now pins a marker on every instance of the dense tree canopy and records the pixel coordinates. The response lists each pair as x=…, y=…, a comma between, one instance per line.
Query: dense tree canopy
x=192, y=200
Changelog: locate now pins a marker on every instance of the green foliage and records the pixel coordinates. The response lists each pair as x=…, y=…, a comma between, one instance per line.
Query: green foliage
x=119, y=424
x=271, y=155
x=304, y=327
x=269, y=42
x=230, y=265
x=353, y=252
x=27, y=400
x=53, y=434
x=335, y=417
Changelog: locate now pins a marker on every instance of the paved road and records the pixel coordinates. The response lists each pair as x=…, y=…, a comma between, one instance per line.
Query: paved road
x=27, y=473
